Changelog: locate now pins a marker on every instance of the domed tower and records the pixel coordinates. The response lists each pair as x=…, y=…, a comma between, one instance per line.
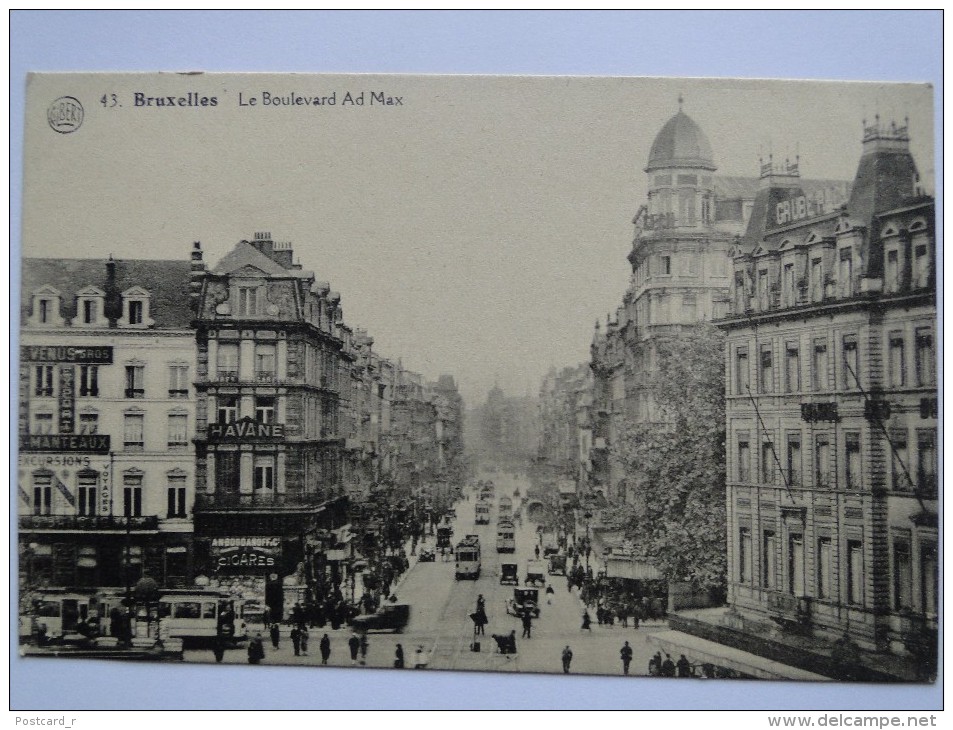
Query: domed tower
x=679, y=173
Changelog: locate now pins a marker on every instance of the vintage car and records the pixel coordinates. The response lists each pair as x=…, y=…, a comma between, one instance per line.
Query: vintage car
x=557, y=564
x=509, y=574
x=427, y=556
x=389, y=617
x=523, y=600
x=535, y=574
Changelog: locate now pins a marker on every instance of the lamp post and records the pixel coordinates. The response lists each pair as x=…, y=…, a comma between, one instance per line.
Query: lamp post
x=588, y=516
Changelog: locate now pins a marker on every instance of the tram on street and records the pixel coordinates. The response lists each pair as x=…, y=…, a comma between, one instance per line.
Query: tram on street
x=468, y=558
x=505, y=508
x=200, y=615
x=482, y=514
x=61, y=611
x=505, y=536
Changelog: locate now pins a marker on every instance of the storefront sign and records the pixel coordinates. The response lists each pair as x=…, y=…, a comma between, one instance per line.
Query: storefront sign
x=245, y=429
x=67, y=400
x=67, y=354
x=243, y=554
x=94, y=443
x=24, y=414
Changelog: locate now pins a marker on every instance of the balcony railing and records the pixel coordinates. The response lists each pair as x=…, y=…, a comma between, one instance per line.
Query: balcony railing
x=265, y=376
x=227, y=376
x=267, y=499
x=94, y=522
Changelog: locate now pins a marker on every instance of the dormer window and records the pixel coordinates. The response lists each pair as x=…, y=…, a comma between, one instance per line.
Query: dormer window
x=135, y=308
x=247, y=300
x=46, y=308
x=90, y=308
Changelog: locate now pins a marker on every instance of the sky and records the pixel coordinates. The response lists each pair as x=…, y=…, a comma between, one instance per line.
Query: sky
x=479, y=227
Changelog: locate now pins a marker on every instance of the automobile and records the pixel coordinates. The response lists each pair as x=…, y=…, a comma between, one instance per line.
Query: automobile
x=427, y=556
x=557, y=564
x=389, y=617
x=535, y=574
x=550, y=550
x=509, y=574
x=524, y=599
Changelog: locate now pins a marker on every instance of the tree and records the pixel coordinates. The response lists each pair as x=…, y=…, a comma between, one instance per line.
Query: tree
x=677, y=462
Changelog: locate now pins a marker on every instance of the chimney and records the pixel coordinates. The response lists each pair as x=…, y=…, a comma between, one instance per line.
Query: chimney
x=113, y=304
x=196, y=274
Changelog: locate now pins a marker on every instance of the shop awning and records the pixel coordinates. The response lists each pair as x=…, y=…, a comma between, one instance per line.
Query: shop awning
x=702, y=651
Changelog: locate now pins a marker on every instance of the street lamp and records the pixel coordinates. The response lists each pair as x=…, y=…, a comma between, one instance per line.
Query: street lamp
x=588, y=516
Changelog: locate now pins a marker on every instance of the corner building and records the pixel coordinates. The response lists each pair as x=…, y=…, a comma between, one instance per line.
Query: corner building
x=832, y=409
x=273, y=359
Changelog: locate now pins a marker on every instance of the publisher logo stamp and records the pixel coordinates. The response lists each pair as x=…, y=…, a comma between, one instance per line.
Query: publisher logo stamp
x=65, y=115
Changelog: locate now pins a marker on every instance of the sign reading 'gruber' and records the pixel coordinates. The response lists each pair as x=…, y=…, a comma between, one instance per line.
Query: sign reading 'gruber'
x=238, y=554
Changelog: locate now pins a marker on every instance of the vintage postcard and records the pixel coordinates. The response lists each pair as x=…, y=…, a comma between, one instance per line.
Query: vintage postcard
x=587, y=376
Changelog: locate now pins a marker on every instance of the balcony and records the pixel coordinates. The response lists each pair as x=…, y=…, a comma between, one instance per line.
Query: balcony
x=227, y=376
x=260, y=499
x=94, y=522
x=135, y=393
x=265, y=376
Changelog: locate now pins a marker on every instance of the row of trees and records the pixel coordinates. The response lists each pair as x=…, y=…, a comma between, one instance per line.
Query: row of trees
x=678, y=517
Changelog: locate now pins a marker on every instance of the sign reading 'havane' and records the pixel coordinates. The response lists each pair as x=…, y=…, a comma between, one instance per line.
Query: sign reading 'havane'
x=245, y=429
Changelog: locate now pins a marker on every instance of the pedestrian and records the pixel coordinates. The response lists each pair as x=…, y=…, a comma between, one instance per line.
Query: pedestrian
x=296, y=640
x=256, y=650
x=511, y=642
x=399, y=657
x=527, y=625
x=626, y=654
x=682, y=667
x=481, y=603
x=668, y=667
x=363, y=646
x=536, y=550
x=275, y=635
x=354, y=644
x=586, y=621
x=567, y=659
x=304, y=640
x=325, y=647
x=218, y=650
x=550, y=592
x=655, y=665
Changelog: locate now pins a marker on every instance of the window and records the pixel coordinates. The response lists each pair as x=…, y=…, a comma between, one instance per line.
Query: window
x=42, y=423
x=133, y=432
x=899, y=461
x=43, y=381
x=135, y=381
x=819, y=369
x=792, y=367
x=89, y=422
x=265, y=363
x=264, y=473
x=265, y=409
x=796, y=564
x=227, y=408
x=228, y=362
x=851, y=374
x=176, y=497
x=926, y=460
x=794, y=458
x=227, y=471
x=845, y=275
x=892, y=278
x=926, y=358
x=132, y=495
x=822, y=461
x=744, y=555
x=825, y=568
x=136, y=311
x=789, y=290
x=767, y=369
x=852, y=469
x=42, y=494
x=897, y=366
x=768, y=465
x=921, y=267
x=817, y=280
x=902, y=575
x=178, y=381
x=88, y=482
x=742, y=377
x=90, y=311
x=744, y=459
x=247, y=300
x=666, y=262
x=739, y=292
x=45, y=309
x=928, y=577
x=855, y=572
x=770, y=566
x=178, y=432
x=686, y=207
x=89, y=380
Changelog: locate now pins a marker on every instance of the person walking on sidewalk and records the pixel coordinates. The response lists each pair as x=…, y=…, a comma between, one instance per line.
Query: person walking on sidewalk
x=363, y=645
x=325, y=647
x=304, y=640
x=399, y=657
x=586, y=621
x=354, y=644
x=626, y=654
x=296, y=640
x=527, y=624
x=256, y=651
x=567, y=659
x=275, y=635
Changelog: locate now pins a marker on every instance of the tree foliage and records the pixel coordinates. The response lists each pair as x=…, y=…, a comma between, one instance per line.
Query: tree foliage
x=678, y=518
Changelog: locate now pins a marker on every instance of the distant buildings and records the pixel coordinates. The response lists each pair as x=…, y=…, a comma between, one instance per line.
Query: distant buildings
x=183, y=422
x=503, y=430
